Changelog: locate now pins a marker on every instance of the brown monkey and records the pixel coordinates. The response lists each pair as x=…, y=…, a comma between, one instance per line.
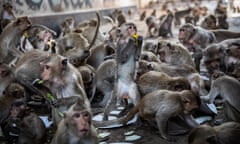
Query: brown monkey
x=152, y=25
x=91, y=30
x=187, y=71
x=180, y=14
x=127, y=54
x=6, y=77
x=14, y=92
x=32, y=127
x=222, y=21
x=61, y=77
x=213, y=58
x=222, y=56
x=190, y=19
x=105, y=74
x=209, y=22
x=165, y=26
x=89, y=80
x=6, y=15
x=76, y=126
x=226, y=133
x=228, y=89
x=143, y=15
x=120, y=18
x=153, y=13
x=99, y=53
x=10, y=37
x=67, y=26
x=153, y=80
x=159, y=106
x=195, y=37
x=173, y=53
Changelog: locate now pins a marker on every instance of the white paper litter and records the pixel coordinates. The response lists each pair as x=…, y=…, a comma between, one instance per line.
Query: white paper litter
x=202, y=119
x=132, y=138
x=45, y=120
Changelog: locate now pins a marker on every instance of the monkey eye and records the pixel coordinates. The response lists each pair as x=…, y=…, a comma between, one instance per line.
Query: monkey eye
x=76, y=115
x=47, y=67
x=85, y=114
x=181, y=29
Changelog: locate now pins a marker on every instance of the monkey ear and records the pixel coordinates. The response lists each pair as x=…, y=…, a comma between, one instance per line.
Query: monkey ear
x=212, y=139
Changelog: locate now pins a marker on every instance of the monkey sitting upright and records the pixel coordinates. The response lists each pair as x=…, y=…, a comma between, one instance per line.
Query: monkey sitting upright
x=76, y=126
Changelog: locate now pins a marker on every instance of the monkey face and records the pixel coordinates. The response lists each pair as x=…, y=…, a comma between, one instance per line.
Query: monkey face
x=79, y=122
x=23, y=23
x=185, y=32
x=15, y=90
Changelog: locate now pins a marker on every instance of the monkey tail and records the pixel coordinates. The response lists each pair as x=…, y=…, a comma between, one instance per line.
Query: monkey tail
x=120, y=121
x=96, y=32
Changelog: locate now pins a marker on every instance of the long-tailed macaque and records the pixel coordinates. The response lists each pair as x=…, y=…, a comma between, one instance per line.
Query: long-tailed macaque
x=173, y=53
x=226, y=133
x=62, y=79
x=228, y=88
x=10, y=38
x=6, y=15
x=165, y=26
x=6, y=77
x=127, y=55
x=13, y=92
x=161, y=105
x=153, y=80
x=76, y=126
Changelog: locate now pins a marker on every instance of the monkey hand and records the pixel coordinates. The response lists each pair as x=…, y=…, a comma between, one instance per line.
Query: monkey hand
x=54, y=102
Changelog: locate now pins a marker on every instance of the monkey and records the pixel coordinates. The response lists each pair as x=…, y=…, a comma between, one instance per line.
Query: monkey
x=67, y=26
x=187, y=71
x=6, y=77
x=39, y=37
x=227, y=88
x=226, y=133
x=127, y=54
x=90, y=29
x=159, y=106
x=179, y=14
x=143, y=15
x=76, y=126
x=190, y=19
x=99, y=53
x=77, y=46
x=32, y=127
x=209, y=22
x=14, y=92
x=152, y=25
x=89, y=80
x=195, y=37
x=10, y=37
x=105, y=74
x=62, y=79
x=221, y=56
x=118, y=16
x=173, y=53
x=153, y=80
x=6, y=15
x=222, y=21
x=213, y=58
x=165, y=26
x=154, y=13
x=149, y=56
